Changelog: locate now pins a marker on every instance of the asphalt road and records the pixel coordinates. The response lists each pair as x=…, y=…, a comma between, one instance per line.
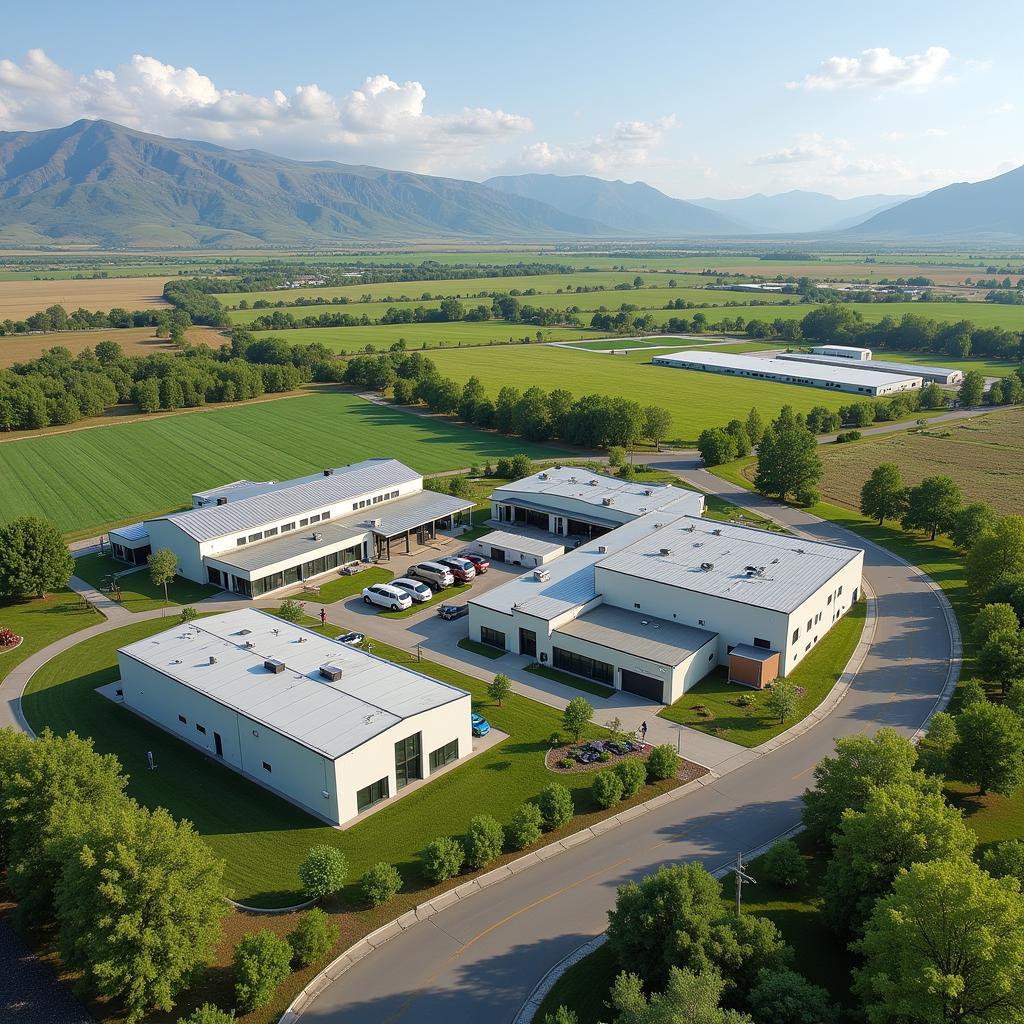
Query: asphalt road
x=479, y=960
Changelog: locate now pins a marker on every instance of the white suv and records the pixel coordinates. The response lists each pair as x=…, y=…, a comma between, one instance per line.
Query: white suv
x=387, y=596
x=419, y=592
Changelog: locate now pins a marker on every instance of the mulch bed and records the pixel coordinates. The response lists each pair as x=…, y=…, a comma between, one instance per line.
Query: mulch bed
x=4, y=648
x=688, y=770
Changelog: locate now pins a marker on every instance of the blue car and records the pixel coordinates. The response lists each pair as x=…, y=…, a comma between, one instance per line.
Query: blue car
x=481, y=727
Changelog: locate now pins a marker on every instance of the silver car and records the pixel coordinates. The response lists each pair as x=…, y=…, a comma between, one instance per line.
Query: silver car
x=419, y=592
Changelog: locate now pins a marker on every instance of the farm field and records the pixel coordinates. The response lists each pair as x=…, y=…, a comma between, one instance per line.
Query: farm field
x=89, y=479
x=136, y=341
x=696, y=400
x=19, y=299
x=989, y=367
x=984, y=455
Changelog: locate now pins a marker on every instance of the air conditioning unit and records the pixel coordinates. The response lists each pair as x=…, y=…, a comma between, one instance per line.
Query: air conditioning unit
x=593, y=483
x=318, y=536
x=606, y=501
x=222, y=501
x=648, y=491
x=541, y=575
x=332, y=673
x=666, y=551
x=707, y=566
x=249, y=644
x=274, y=665
x=376, y=522
x=602, y=548
x=328, y=472
x=542, y=476
x=213, y=660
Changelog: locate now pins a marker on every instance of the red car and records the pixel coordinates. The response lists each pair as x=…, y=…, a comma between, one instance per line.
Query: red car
x=481, y=563
x=461, y=568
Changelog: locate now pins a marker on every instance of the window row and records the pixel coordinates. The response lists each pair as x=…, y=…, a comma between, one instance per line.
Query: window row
x=581, y=665
x=375, y=500
x=273, y=531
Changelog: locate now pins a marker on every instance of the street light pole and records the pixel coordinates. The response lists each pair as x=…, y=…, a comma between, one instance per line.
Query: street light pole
x=741, y=877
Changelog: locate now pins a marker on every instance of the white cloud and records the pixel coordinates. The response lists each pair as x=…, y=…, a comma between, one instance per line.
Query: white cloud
x=628, y=146
x=1004, y=108
x=936, y=133
x=381, y=118
x=878, y=67
x=807, y=148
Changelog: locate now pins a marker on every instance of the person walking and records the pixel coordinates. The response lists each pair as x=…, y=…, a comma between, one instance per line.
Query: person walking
x=643, y=732
x=323, y=616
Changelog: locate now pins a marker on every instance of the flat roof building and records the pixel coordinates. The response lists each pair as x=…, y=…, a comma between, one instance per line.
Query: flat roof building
x=847, y=352
x=325, y=725
x=846, y=378
x=939, y=374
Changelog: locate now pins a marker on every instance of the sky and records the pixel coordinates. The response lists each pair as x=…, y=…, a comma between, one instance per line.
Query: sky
x=698, y=100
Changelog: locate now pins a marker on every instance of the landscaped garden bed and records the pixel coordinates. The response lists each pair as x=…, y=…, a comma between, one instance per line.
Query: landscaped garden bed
x=577, y=758
x=9, y=640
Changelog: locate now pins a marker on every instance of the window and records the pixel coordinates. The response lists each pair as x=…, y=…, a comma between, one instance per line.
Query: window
x=303, y=522
x=201, y=728
x=796, y=634
x=213, y=575
x=287, y=526
x=255, y=537
x=239, y=542
x=272, y=532
x=758, y=642
x=314, y=519
x=810, y=625
x=372, y=794
x=408, y=763
x=444, y=755
x=266, y=766
x=839, y=591
x=829, y=601
x=581, y=665
x=326, y=515
x=492, y=637
x=394, y=494
x=183, y=719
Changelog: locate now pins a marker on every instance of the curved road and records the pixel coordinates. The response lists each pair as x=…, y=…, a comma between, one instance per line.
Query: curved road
x=479, y=959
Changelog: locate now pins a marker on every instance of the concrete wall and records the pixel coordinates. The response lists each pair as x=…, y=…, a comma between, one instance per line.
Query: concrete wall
x=164, y=534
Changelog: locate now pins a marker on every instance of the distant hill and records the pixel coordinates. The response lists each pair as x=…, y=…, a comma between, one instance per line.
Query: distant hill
x=994, y=208
x=635, y=209
x=98, y=182
x=798, y=211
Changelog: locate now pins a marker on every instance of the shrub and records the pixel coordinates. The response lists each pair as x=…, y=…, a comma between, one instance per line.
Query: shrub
x=632, y=772
x=662, y=763
x=564, y=762
x=604, y=757
x=381, y=883
x=291, y=611
x=848, y=435
x=261, y=962
x=563, y=1015
x=483, y=841
x=607, y=788
x=525, y=827
x=783, y=865
x=556, y=806
x=208, y=1013
x=323, y=872
x=442, y=858
x=313, y=937
x=188, y=614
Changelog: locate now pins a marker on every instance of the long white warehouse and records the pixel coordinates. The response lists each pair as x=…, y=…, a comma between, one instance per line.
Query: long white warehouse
x=327, y=726
x=939, y=374
x=849, y=378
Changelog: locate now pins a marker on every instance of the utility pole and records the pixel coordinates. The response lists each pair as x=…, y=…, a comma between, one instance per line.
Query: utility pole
x=741, y=877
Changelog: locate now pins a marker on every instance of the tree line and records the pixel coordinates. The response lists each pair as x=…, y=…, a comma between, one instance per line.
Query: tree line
x=57, y=318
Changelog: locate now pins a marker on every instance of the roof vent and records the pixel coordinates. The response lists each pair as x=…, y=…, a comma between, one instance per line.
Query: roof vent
x=250, y=644
x=716, y=533
x=606, y=501
x=332, y=673
x=328, y=472
x=800, y=551
x=689, y=529
x=213, y=660
x=222, y=501
x=666, y=551
x=648, y=491
x=572, y=479
x=274, y=665
x=543, y=575
x=318, y=536
x=602, y=549
x=642, y=509
x=593, y=483
x=707, y=566
x=542, y=476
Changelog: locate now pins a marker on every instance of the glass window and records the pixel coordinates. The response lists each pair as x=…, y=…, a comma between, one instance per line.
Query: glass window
x=266, y=766
x=303, y=522
x=372, y=794
x=255, y=537
x=287, y=526
x=239, y=542
x=408, y=764
x=444, y=755
x=326, y=515
x=184, y=720
x=492, y=637
x=272, y=532
x=201, y=728
x=314, y=519
x=213, y=575
x=581, y=665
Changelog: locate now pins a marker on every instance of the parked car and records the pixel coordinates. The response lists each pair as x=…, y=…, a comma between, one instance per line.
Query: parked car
x=481, y=727
x=386, y=596
x=479, y=563
x=434, y=574
x=352, y=639
x=419, y=592
x=453, y=611
x=461, y=568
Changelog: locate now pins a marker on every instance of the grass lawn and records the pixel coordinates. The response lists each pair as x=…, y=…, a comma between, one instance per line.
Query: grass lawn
x=55, y=475
x=263, y=838
x=342, y=587
x=41, y=621
x=138, y=592
x=752, y=725
x=484, y=650
x=576, y=682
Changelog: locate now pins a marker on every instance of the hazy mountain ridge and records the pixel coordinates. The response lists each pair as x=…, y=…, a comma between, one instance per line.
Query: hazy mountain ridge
x=799, y=211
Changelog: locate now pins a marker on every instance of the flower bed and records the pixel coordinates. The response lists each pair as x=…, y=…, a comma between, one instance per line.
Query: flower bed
x=9, y=640
x=556, y=758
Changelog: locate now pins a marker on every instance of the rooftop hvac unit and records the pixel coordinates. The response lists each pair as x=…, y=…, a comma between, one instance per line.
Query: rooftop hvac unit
x=648, y=491
x=542, y=476
x=376, y=522
x=572, y=479
x=666, y=551
x=318, y=536
x=542, y=575
x=707, y=566
x=222, y=501
x=332, y=673
x=606, y=501
x=593, y=483
x=328, y=472
x=213, y=660
x=716, y=533
x=249, y=644
x=602, y=548
x=274, y=665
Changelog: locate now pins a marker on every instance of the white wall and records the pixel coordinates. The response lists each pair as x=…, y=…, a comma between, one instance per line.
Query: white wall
x=164, y=534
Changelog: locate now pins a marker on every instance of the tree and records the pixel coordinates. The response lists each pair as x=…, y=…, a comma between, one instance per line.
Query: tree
x=933, y=505
x=442, y=858
x=562, y=1015
x=499, y=688
x=932, y=396
x=1015, y=697
x=556, y=806
x=520, y=465
x=1005, y=860
x=616, y=456
x=688, y=998
x=1001, y=658
x=938, y=743
x=381, y=883
x=525, y=827
x=899, y=826
x=716, y=446
x=784, y=865
x=845, y=780
x=788, y=461
x=576, y=716
x=33, y=558
x=972, y=389
x=209, y=1013
x=323, y=872
x=163, y=567
x=138, y=907
x=657, y=423
x=883, y=494
x=741, y=440
x=785, y=997
x=313, y=937
x=290, y=610
x=947, y=944
x=990, y=748
x=452, y=309
x=261, y=962
x=606, y=788
x=483, y=841
x=994, y=618
x=1009, y=590
x=783, y=699
x=663, y=763
x=755, y=426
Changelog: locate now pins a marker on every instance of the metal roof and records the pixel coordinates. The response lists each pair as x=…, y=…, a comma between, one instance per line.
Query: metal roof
x=575, y=483
x=134, y=532
x=411, y=512
x=715, y=558
x=519, y=542
x=658, y=640
x=235, y=489
x=291, y=498
x=330, y=718
x=752, y=653
x=296, y=545
x=943, y=374
x=848, y=372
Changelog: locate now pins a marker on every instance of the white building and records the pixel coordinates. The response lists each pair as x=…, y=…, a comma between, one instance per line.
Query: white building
x=845, y=378
x=327, y=726
x=944, y=375
x=516, y=548
x=847, y=352
x=653, y=605
x=255, y=538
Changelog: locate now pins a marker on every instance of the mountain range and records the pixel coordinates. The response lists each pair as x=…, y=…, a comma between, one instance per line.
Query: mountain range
x=101, y=183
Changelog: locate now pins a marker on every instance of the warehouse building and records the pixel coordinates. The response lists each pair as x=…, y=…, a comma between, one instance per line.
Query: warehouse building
x=655, y=605
x=846, y=352
x=328, y=727
x=943, y=375
x=516, y=548
x=255, y=538
x=852, y=379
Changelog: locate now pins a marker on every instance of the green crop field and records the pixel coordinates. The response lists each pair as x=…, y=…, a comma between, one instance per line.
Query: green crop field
x=88, y=479
x=695, y=399
x=989, y=367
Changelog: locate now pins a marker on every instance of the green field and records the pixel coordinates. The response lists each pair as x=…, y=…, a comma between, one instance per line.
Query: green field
x=989, y=367
x=88, y=479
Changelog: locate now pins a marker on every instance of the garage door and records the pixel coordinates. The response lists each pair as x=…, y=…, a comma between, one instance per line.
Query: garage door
x=645, y=686
x=497, y=554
